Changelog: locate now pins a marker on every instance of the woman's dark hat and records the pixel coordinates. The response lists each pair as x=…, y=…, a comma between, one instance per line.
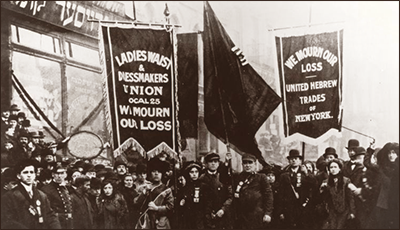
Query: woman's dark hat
x=156, y=164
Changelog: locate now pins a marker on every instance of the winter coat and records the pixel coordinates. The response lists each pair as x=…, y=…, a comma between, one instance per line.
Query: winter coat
x=292, y=205
x=162, y=196
x=190, y=205
x=82, y=211
x=112, y=212
x=19, y=211
x=218, y=196
x=253, y=198
x=340, y=204
x=61, y=202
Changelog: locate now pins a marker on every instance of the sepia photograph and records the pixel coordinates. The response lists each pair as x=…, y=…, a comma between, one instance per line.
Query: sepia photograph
x=199, y=115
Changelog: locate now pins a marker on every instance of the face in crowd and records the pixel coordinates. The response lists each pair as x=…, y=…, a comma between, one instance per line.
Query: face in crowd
x=248, y=165
x=27, y=175
x=121, y=169
x=334, y=168
x=392, y=155
x=156, y=176
x=108, y=189
x=128, y=181
x=329, y=157
x=194, y=173
x=60, y=175
x=271, y=178
x=212, y=165
x=295, y=161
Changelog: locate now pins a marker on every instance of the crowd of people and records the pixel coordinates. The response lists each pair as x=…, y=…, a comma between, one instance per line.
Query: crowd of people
x=41, y=190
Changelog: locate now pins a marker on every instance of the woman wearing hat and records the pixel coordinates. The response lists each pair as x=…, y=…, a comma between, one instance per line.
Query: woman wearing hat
x=382, y=187
x=190, y=198
x=156, y=201
x=336, y=193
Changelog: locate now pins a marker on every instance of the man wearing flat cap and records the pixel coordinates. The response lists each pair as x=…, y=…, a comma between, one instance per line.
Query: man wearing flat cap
x=218, y=195
x=295, y=192
x=253, y=198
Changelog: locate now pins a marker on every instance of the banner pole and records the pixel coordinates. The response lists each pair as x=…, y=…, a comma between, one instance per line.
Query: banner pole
x=303, y=148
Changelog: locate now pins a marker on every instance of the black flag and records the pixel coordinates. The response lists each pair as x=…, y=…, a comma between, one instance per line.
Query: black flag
x=237, y=101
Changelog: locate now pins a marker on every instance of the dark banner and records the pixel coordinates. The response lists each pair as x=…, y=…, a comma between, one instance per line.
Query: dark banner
x=237, y=100
x=140, y=86
x=188, y=82
x=310, y=70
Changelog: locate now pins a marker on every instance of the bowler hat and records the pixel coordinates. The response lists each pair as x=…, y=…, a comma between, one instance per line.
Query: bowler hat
x=352, y=144
x=294, y=153
x=35, y=134
x=248, y=157
x=21, y=114
x=359, y=151
x=23, y=133
x=41, y=134
x=211, y=156
x=14, y=107
x=330, y=151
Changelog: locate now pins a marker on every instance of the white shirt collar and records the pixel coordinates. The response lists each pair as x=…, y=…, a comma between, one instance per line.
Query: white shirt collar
x=212, y=173
x=28, y=188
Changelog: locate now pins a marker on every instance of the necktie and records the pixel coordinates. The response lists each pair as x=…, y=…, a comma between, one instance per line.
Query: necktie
x=30, y=194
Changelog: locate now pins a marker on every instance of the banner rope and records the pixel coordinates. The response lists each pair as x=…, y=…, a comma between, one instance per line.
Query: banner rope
x=31, y=101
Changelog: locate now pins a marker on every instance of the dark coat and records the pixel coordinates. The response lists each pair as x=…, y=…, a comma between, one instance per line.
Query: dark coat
x=356, y=176
x=190, y=205
x=165, y=202
x=218, y=196
x=291, y=207
x=61, y=202
x=82, y=211
x=112, y=212
x=129, y=195
x=15, y=212
x=381, y=195
x=340, y=204
x=253, y=201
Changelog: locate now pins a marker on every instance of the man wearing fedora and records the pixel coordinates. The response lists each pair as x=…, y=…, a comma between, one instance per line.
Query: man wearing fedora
x=218, y=195
x=295, y=192
x=253, y=196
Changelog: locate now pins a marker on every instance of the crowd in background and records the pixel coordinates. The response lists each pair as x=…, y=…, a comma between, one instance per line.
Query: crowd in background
x=42, y=190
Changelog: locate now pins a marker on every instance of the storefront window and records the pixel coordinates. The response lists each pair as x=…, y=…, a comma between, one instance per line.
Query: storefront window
x=82, y=54
x=84, y=100
x=41, y=79
x=35, y=40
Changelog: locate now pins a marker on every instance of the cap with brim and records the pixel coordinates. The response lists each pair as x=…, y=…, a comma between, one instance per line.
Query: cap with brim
x=248, y=157
x=211, y=156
